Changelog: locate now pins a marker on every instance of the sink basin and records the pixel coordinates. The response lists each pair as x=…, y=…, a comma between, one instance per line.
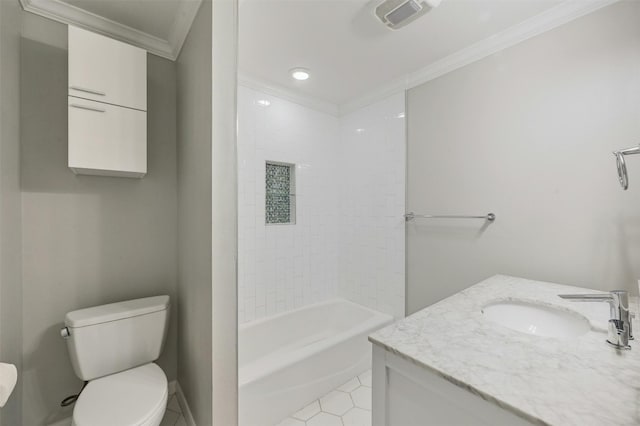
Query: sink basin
x=538, y=320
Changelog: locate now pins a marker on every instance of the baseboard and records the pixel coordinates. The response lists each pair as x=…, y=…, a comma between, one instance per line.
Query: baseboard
x=186, y=412
x=172, y=387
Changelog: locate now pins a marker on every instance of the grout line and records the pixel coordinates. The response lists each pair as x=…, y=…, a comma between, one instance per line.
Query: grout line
x=351, y=398
x=341, y=417
x=305, y=422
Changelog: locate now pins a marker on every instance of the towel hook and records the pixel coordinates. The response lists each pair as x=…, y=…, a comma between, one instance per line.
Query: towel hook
x=621, y=165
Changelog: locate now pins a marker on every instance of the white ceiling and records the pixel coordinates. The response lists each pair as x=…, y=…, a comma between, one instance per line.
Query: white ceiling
x=349, y=52
x=159, y=26
x=154, y=17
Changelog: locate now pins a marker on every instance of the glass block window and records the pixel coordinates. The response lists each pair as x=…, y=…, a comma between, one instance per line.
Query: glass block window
x=280, y=193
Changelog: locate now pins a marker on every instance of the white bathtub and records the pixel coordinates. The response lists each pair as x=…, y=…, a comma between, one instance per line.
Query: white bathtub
x=289, y=360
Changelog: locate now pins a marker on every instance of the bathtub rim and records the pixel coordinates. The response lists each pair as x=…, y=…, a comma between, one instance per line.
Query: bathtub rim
x=315, y=304
x=378, y=319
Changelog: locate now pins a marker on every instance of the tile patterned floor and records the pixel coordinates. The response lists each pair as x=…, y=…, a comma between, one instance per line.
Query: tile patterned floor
x=347, y=405
x=173, y=416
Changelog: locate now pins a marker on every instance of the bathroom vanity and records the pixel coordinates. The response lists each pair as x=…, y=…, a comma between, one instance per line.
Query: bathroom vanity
x=506, y=351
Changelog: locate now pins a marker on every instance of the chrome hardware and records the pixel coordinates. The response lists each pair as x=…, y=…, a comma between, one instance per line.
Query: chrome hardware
x=622, y=166
x=490, y=217
x=64, y=332
x=87, y=108
x=82, y=89
x=619, y=327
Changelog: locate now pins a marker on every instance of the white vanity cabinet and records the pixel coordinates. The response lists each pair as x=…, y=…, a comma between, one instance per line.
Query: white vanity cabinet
x=405, y=394
x=107, y=106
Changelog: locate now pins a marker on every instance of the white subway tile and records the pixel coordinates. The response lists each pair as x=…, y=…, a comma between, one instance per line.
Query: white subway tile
x=348, y=239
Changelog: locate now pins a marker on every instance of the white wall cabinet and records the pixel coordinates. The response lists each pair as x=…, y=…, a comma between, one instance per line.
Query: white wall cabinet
x=106, y=139
x=107, y=70
x=107, y=106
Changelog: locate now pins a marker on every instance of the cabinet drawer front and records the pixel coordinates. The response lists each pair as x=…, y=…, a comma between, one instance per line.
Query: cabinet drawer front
x=107, y=138
x=107, y=70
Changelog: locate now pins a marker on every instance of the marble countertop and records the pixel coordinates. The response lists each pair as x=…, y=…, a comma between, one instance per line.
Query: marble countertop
x=571, y=381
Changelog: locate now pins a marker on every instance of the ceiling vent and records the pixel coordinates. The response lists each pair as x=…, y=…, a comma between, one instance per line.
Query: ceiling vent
x=395, y=14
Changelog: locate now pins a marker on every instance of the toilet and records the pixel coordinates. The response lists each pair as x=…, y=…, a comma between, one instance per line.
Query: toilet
x=112, y=347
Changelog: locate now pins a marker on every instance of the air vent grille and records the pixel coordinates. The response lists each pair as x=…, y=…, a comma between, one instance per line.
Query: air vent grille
x=405, y=11
x=396, y=14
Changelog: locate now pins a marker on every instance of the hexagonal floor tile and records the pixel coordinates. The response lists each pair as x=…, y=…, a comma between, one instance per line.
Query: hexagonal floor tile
x=324, y=419
x=336, y=402
x=362, y=397
x=357, y=417
x=307, y=412
x=351, y=385
x=365, y=378
x=291, y=422
x=173, y=404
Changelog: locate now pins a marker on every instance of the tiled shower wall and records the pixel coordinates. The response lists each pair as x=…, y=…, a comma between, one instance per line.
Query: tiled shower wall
x=348, y=236
x=284, y=266
x=372, y=247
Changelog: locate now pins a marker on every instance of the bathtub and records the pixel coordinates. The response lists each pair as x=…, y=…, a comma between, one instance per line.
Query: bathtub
x=289, y=360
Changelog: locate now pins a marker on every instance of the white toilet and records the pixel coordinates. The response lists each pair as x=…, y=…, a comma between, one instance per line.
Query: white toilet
x=113, y=348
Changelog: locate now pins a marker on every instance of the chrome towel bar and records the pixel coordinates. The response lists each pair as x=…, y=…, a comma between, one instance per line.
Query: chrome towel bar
x=490, y=217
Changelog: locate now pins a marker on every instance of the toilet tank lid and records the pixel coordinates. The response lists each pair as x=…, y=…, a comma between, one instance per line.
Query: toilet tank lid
x=116, y=311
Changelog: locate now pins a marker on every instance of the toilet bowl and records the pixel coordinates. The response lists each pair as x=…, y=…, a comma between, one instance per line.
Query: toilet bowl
x=135, y=397
x=112, y=347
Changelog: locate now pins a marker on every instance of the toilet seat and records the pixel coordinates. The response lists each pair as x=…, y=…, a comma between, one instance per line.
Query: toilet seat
x=135, y=397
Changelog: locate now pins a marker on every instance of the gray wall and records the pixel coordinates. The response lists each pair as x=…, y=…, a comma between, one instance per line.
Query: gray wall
x=194, y=216
x=10, y=206
x=528, y=133
x=87, y=240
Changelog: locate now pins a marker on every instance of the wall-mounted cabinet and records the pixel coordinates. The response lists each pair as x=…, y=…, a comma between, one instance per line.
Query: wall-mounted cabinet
x=107, y=106
x=107, y=70
x=106, y=139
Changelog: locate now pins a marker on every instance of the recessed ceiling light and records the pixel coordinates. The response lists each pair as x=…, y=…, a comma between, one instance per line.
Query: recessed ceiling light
x=263, y=102
x=299, y=73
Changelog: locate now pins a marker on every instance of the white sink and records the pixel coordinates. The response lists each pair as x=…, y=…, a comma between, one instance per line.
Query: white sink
x=535, y=319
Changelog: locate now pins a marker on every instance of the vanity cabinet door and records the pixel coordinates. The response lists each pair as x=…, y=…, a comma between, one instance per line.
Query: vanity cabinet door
x=107, y=70
x=106, y=139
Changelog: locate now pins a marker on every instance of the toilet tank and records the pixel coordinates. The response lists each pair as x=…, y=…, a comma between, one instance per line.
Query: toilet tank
x=107, y=339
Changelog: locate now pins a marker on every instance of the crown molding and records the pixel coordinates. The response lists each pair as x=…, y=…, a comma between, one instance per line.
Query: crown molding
x=71, y=15
x=288, y=95
x=182, y=24
x=546, y=21
x=382, y=92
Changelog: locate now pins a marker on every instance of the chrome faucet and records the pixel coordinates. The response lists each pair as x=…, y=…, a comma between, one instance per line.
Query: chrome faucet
x=620, y=329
